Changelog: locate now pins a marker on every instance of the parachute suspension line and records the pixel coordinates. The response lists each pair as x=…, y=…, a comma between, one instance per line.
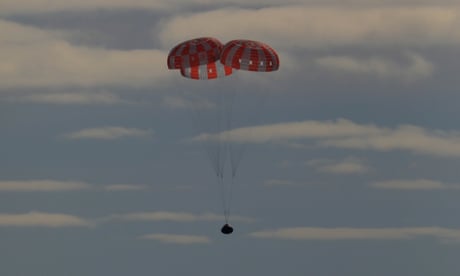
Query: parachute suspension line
x=229, y=115
x=229, y=98
x=230, y=195
x=221, y=184
x=237, y=151
x=209, y=147
x=221, y=140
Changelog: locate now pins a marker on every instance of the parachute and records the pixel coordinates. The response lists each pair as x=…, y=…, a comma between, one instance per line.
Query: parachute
x=207, y=71
x=250, y=55
x=194, y=52
x=206, y=58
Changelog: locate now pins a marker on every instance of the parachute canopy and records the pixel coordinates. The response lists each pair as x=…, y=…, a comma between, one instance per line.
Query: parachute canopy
x=207, y=71
x=249, y=55
x=207, y=58
x=194, y=52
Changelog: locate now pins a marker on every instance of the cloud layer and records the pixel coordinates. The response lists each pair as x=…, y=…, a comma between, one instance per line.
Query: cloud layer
x=415, y=68
x=33, y=57
x=417, y=184
x=41, y=186
x=346, y=134
x=108, y=133
x=68, y=98
x=318, y=233
x=177, y=239
x=124, y=187
x=172, y=217
x=39, y=219
x=324, y=26
x=347, y=166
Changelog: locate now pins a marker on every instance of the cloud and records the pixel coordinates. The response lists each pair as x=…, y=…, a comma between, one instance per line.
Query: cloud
x=295, y=130
x=346, y=134
x=48, y=185
x=347, y=166
x=177, y=239
x=324, y=25
x=124, y=187
x=41, y=186
x=417, y=184
x=43, y=6
x=108, y=133
x=280, y=183
x=36, y=58
x=175, y=102
x=417, y=67
x=405, y=137
x=172, y=217
x=39, y=219
x=46, y=6
x=68, y=98
x=32, y=57
x=318, y=233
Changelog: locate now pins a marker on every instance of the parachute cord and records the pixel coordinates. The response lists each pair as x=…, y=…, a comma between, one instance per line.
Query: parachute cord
x=229, y=111
x=212, y=148
x=229, y=115
x=237, y=156
x=222, y=141
x=230, y=195
x=214, y=156
x=220, y=180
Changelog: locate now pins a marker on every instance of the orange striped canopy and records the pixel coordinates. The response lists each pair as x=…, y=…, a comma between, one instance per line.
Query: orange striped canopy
x=194, y=52
x=250, y=55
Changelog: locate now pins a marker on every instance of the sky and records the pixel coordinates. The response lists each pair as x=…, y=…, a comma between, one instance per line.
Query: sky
x=351, y=149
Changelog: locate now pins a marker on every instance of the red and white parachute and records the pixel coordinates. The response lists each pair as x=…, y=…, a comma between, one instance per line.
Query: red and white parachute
x=194, y=52
x=250, y=55
x=207, y=58
x=207, y=71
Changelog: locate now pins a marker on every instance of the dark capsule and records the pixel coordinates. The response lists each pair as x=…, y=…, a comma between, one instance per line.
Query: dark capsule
x=226, y=229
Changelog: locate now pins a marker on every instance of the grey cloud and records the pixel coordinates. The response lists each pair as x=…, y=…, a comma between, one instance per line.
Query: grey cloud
x=176, y=102
x=347, y=166
x=41, y=185
x=349, y=135
x=412, y=185
x=417, y=67
x=44, y=6
x=172, y=217
x=124, y=187
x=32, y=57
x=177, y=239
x=343, y=233
x=40, y=219
x=406, y=137
x=280, y=183
x=50, y=6
x=68, y=98
x=324, y=26
x=108, y=133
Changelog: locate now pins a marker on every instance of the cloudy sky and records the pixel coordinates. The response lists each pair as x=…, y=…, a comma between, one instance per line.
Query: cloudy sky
x=351, y=149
